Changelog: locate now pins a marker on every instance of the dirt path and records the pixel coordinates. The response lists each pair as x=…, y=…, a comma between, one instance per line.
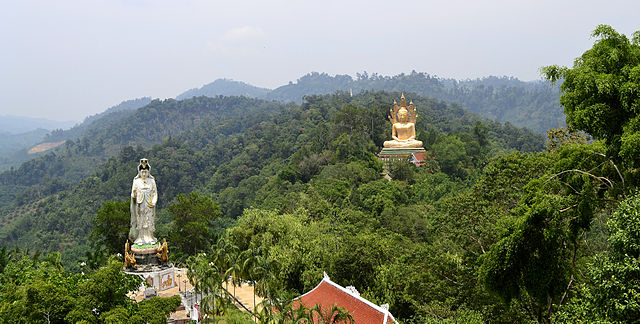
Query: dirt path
x=44, y=147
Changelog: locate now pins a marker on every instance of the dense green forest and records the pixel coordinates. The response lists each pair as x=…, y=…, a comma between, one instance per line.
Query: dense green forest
x=524, y=104
x=496, y=228
x=231, y=148
x=262, y=156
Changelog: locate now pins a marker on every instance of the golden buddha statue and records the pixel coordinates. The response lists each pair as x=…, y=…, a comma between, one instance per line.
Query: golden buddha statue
x=403, y=118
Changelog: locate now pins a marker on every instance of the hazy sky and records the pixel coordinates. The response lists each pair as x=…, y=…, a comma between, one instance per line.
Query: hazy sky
x=65, y=60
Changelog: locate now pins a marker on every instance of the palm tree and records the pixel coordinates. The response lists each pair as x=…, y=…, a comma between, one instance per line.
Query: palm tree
x=222, y=257
x=264, y=274
x=205, y=279
x=249, y=268
x=296, y=312
x=234, y=270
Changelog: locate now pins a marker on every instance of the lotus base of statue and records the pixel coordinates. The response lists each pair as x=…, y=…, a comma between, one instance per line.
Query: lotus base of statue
x=146, y=257
x=401, y=150
x=411, y=144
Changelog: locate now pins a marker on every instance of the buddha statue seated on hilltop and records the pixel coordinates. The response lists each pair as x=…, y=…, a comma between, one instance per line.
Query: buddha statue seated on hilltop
x=403, y=118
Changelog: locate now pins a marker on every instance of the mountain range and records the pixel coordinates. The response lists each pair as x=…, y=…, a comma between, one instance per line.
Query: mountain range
x=532, y=104
x=505, y=99
x=227, y=147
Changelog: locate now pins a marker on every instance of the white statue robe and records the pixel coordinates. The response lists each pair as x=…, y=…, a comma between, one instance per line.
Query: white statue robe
x=144, y=196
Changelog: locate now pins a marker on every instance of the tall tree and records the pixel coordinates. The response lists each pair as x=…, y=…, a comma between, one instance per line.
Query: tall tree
x=536, y=259
x=111, y=226
x=601, y=93
x=193, y=217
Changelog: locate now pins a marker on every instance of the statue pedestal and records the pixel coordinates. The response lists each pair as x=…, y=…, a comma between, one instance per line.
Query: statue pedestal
x=157, y=274
x=146, y=254
x=141, y=258
x=159, y=279
x=416, y=156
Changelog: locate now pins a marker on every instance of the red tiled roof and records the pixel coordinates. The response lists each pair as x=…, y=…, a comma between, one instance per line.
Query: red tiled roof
x=420, y=156
x=328, y=293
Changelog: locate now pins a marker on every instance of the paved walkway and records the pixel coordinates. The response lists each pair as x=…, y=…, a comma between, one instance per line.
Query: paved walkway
x=243, y=293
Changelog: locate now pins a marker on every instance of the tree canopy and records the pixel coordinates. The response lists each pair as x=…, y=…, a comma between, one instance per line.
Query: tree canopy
x=601, y=92
x=494, y=228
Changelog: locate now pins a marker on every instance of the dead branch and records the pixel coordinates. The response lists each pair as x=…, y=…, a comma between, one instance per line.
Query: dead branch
x=601, y=179
x=568, y=208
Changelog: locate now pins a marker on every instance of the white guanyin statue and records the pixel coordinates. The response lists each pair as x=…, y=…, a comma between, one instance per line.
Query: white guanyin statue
x=144, y=196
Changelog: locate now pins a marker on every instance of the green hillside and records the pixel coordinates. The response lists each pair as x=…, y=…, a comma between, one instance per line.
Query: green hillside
x=226, y=147
x=524, y=104
x=224, y=87
x=114, y=113
x=504, y=99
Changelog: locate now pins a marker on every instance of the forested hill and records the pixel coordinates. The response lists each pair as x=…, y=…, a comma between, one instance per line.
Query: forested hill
x=225, y=87
x=14, y=149
x=524, y=104
x=227, y=147
x=113, y=113
x=104, y=137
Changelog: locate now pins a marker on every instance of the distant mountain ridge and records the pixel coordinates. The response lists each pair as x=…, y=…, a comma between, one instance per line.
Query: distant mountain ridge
x=19, y=125
x=127, y=106
x=14, y=148
x=11, y=144
x=505, y=99
x=225, y=87
x=532, y=104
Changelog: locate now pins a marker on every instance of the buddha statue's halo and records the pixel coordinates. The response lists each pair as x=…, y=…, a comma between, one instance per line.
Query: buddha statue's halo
x=412, y=116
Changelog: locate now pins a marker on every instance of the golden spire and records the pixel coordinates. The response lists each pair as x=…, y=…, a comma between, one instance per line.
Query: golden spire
x=403, y=102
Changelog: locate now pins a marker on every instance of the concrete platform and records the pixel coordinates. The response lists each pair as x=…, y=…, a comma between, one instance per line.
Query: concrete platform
x=400, y=151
